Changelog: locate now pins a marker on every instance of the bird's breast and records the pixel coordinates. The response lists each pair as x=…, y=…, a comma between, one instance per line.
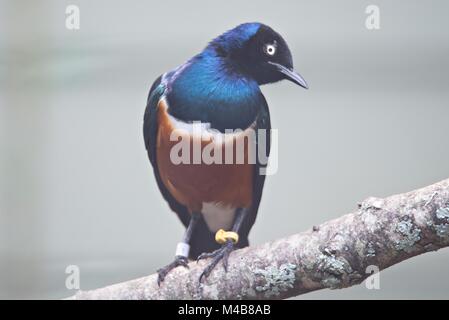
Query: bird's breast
x=203, y=169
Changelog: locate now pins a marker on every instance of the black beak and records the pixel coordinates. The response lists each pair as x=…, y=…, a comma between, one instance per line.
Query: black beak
x=291, y=75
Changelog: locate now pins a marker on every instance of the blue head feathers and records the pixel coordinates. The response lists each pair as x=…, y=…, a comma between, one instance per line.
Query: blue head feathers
x=220, y=85
x=234, y=38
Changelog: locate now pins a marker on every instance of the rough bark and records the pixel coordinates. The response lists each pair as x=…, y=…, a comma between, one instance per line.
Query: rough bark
x=336, y=254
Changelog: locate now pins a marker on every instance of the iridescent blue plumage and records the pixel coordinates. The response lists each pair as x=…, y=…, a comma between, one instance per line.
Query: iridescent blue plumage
x=236, y=37
x=210, y=88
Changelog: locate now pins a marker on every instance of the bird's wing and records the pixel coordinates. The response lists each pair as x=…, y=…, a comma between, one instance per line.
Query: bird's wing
x=263, y=122
x=150, y=130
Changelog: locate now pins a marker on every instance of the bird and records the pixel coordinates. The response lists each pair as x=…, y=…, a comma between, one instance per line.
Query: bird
x=218, y=91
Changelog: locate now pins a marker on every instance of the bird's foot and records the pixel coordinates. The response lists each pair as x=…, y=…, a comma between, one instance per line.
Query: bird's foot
x=217, y=255
x=162, y=272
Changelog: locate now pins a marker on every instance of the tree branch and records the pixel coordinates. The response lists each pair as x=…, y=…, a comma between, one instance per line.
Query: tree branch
x=336, y=254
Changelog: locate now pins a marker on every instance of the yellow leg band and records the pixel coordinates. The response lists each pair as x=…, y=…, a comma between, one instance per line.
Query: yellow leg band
x=222, y=236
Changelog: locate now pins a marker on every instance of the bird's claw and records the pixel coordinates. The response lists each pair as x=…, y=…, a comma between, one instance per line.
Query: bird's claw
x=162, y=272
x=217, y=255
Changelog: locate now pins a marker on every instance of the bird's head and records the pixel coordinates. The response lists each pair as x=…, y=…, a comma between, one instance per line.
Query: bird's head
x=257, y=51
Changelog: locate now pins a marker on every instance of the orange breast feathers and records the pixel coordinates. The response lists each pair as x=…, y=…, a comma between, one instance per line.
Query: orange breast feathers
x=229, y=183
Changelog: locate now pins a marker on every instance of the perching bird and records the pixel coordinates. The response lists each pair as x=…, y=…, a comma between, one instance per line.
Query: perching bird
x=218, y=88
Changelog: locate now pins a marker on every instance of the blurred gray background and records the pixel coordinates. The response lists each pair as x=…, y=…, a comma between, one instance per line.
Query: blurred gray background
x=76, y=187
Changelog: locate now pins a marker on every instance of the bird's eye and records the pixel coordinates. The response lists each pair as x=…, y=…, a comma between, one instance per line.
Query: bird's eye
x=270, y=49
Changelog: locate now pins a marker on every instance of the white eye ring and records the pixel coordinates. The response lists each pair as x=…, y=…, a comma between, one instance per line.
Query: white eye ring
x=270, y=49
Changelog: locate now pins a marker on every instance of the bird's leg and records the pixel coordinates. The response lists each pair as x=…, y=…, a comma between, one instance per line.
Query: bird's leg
x=227, y=239
x=182, y=250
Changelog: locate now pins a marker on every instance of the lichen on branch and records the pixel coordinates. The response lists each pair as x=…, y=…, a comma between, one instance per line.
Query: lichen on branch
x=336, y=254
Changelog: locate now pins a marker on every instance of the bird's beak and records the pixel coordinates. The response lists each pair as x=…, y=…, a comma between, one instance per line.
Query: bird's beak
x=291, y=75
